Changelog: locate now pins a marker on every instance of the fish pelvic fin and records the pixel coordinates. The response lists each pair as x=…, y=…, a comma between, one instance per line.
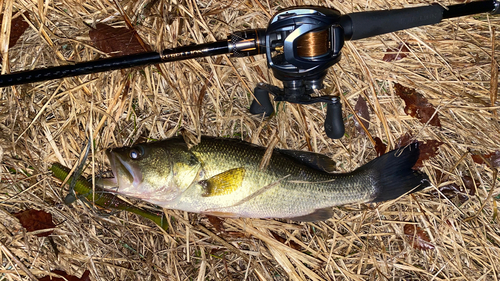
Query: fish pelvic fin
x=393, y=173
x=223, y=183
x=317, y=215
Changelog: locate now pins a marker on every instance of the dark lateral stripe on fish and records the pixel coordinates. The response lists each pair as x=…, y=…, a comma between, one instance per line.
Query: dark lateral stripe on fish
x=393, y=173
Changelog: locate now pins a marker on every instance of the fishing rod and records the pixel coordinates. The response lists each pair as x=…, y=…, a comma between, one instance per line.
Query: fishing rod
x=300, y=45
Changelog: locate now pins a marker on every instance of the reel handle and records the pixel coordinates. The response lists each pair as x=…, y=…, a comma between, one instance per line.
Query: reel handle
x=334, y=124
x=261, y=103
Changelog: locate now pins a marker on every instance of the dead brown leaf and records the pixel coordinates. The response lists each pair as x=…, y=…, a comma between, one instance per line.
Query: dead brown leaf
x=404, y=140
x=470, y=184
x=361, y=109
x=36, y=220
x=417, y=105
x=115, y=41
x=17, y=28
x=428, y=149
x=399, y=53
x=493, y=158
x=380, y=147
x=454, y=192
x=451, y=192
x=216, y=222
x=291, y=244
x=417, y=237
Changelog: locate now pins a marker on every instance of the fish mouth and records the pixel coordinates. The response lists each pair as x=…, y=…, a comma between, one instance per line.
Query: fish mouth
x=126, y=174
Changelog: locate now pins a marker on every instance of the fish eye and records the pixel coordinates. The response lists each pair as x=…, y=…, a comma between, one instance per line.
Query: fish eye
x=136, y=153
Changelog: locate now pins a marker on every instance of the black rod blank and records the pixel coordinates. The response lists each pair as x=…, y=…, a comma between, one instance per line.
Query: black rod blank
x=466, y=9
x=355, y=25
x=108, y=64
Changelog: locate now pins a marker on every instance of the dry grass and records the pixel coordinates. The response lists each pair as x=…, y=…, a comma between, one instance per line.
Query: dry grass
x=450, y=64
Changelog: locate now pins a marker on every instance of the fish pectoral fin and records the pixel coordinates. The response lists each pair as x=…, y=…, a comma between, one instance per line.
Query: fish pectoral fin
x=311, y=159
x=223, y=183
x=317, y=215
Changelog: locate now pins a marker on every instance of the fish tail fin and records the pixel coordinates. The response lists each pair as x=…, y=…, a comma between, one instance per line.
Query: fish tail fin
x=394, y=175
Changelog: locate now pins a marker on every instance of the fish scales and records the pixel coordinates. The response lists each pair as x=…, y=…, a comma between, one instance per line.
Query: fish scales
x=297, y=187
x=223, y=177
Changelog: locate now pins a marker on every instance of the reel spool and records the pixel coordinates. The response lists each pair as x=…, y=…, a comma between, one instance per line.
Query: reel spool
x=313, y=44
x=300, y=45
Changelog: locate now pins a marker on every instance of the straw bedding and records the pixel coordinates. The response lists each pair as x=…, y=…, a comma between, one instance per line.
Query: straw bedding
x=451, y=64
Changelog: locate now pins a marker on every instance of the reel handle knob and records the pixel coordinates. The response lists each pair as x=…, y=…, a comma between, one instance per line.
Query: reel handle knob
x=334, y=125
x=261, y=103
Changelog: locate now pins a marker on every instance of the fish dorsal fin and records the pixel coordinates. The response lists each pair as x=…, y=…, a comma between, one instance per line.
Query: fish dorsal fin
x=317, y=215
x=223, y=183
x=311, y=159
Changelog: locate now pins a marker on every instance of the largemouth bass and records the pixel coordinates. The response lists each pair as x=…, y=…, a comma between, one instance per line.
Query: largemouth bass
x=223, y=177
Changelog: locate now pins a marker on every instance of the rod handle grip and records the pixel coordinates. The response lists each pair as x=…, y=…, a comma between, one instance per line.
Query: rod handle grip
x=367, y=24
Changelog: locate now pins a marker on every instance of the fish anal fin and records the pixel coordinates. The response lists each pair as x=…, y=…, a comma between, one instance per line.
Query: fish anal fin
x=311, y=159
x=317, y=215
x=224, y=183
x=221, y=214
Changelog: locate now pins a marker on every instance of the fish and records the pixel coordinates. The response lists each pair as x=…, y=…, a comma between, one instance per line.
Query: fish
x=224, y=177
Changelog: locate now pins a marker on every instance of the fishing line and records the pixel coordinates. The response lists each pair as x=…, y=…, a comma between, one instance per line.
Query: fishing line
x=313, y=44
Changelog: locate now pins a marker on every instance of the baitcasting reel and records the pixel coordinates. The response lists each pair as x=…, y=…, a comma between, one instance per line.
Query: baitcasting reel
x=300, y=45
